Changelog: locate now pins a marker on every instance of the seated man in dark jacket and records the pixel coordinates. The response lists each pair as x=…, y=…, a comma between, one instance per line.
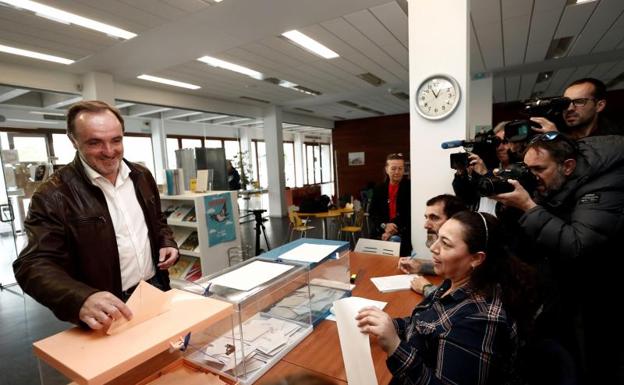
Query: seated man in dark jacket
x=95, y=227
x=390, y=205
x=576, y=223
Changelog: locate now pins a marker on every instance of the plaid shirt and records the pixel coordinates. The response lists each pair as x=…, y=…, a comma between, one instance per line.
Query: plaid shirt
x=462, y=338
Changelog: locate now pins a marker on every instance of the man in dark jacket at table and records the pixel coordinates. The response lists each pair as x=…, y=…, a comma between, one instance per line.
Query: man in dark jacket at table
x=390, y=206
x=576, y=226
x=95, y=227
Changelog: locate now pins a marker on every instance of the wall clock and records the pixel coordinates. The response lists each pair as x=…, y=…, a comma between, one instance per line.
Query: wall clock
x=437, y=97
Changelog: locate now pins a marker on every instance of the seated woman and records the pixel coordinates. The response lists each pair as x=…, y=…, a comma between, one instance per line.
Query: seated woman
x=466, y=331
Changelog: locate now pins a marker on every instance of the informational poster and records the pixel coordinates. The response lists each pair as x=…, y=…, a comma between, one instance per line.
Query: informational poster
x=220, y=219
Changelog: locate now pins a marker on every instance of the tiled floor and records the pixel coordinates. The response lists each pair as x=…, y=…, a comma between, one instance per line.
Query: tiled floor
x=23, y=321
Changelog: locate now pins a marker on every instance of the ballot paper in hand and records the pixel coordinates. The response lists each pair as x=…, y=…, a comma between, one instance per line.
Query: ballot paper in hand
x=393, y=282
x=358, y=302
x=355, y=345
x=146, y=302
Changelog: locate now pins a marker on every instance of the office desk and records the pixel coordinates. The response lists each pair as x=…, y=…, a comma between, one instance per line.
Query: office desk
x=320, y=351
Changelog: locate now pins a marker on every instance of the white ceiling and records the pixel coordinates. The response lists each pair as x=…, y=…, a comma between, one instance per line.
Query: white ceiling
x=510, y=39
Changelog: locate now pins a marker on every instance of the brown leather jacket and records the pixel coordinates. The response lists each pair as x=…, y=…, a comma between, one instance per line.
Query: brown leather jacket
x=72, y=249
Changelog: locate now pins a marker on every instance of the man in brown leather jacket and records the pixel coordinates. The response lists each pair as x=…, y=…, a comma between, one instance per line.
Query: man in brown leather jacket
x=95, y=227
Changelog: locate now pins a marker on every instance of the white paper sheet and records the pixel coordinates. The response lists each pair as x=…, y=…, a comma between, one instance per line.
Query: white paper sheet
x=309, y=252
x=393, y=282
x=355, y=345
x=252, y=275
x=358, y=302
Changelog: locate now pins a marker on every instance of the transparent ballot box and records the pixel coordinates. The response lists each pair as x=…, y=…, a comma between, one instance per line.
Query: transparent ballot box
x=150, y=350
x=271, y=303
x=330, y=274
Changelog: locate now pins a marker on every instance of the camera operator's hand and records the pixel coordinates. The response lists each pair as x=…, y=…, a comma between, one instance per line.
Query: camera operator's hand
x=546, y=124
x=519, y=198
x=477, y=164
x=391, y=228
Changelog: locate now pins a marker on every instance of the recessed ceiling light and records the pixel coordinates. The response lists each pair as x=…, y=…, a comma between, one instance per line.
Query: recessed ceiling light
x=213, y=61
x=69, y=18
x=581, y=1
x=34, y=55
x=168, y=82
x=310, y=44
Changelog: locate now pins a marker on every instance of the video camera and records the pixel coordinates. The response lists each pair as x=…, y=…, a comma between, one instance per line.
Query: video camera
x=483, y=144
x=498, y=184
x=520, y=130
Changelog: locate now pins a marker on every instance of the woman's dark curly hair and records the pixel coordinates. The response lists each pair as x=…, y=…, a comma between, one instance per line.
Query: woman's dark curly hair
x=518, y=281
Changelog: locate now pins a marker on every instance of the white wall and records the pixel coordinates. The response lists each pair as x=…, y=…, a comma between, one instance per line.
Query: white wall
x=443, y=48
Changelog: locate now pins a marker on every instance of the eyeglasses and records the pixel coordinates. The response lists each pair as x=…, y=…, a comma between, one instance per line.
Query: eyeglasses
x=580, y=102
x=545, y=137
x=395, y=156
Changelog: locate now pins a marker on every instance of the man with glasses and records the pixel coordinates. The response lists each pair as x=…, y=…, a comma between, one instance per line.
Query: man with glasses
x=390, y=205
x=588, y=98
x=574, y=223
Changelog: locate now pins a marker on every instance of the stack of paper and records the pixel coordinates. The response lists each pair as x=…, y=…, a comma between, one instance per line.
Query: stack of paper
x=393, y=282
x=309, y=252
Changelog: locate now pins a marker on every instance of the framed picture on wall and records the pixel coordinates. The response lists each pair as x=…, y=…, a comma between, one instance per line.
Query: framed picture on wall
x=356, y=158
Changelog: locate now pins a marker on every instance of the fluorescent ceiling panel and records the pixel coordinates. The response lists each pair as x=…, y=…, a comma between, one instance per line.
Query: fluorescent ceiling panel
x=34, y=55
x=69, y=18
x=213, y=61
x=310, y=44
x=168, y=82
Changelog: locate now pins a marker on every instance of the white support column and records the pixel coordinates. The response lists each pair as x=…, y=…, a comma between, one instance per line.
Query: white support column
x=438, y=44
x=480, y=105
x=299, y=166
x=159, y=144
x=275, y=160
x=98, y=86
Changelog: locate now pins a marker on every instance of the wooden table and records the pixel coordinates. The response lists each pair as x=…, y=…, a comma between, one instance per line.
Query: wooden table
x=320, y=351
x=324, y=215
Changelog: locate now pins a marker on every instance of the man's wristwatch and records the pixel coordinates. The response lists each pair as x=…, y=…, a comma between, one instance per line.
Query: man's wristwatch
x=383, y=226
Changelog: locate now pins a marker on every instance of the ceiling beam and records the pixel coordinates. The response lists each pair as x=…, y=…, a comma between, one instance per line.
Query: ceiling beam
x=232, y=119
x=124, y=105
x=53, y=101
x=142, y=110
x=204, y=117
x=177, y=114
x=12, y=94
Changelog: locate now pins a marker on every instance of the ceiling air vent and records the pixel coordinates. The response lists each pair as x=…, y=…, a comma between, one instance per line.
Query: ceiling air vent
x=371, y=110
x=371, y=79
x=303, y=110
x=307, y=90
x=400, y=95
x=559, y=47
x=255, y=99
x=348, y=103
x=53, y=117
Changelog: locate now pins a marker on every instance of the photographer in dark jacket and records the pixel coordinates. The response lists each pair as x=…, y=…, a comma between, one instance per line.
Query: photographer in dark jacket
x=390, y=205
x=95, y=227
x=575, y=223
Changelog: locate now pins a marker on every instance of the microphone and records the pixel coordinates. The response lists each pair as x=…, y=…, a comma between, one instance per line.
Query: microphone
x=454, y=144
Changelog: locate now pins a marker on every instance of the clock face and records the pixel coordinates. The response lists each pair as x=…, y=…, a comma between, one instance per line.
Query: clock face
x=437, y=97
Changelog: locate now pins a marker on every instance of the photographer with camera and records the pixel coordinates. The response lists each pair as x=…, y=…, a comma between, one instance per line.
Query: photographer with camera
x=582, y=117
x=575, y=221
x=467, y=175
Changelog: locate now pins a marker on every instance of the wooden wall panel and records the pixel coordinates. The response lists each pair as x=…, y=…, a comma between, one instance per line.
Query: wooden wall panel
x=376, y=137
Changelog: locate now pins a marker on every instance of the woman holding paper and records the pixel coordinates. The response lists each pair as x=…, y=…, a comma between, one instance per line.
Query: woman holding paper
x=467, y=331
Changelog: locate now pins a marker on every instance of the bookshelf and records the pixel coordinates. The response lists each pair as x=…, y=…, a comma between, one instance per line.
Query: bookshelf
x=202, y=230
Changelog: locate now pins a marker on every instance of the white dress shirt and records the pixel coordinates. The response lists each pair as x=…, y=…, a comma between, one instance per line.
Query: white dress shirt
x=135, y=253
